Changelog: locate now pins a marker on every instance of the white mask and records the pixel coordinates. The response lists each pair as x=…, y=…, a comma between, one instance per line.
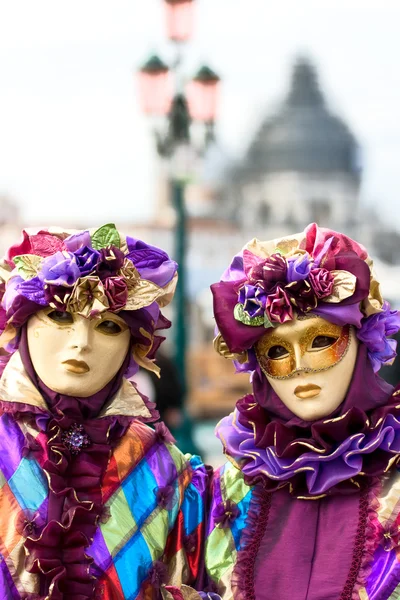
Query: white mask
x=309, y=363
x=76, y=356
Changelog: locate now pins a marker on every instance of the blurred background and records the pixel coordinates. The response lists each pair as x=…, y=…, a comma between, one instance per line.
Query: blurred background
x=197, y=125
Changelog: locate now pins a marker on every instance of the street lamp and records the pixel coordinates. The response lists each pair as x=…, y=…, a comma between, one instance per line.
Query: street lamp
x=163, y=93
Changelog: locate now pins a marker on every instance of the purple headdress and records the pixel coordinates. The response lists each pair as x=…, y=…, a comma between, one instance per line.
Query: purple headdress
x=88, y=272
x=318, y=271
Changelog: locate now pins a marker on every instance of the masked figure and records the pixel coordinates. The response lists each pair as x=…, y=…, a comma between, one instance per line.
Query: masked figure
x=307, y=508
x=92, y=499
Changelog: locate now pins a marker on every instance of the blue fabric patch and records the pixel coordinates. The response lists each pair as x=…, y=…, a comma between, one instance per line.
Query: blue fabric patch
x=139, y=489
x=239, y=523
x=29, y=484
x=133, y=563
x=192, y=508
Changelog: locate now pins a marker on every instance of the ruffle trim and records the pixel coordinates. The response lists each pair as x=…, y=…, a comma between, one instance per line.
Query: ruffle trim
x=316, y=466
x=243, y=575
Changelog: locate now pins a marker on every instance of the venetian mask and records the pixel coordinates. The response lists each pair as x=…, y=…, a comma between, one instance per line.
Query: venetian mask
x=309, y=363
x=74, y=355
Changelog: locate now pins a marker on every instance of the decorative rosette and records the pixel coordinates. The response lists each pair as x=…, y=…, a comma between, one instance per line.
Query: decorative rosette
x=318, y=271
x=87, y=273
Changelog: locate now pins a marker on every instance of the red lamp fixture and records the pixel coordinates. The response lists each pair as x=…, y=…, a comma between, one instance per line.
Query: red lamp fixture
x=179, y=19
x=203, y=95
x=155, y=87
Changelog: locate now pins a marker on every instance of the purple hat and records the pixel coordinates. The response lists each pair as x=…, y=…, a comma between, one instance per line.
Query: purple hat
x=318, y=271
x=87, y=272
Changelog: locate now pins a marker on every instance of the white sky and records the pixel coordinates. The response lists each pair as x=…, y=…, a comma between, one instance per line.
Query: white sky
x=73, y=143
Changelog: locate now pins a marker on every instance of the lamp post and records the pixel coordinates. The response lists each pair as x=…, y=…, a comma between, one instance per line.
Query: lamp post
x=164, y=94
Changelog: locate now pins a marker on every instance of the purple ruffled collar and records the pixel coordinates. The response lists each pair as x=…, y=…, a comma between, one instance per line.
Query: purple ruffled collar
x=312, y=468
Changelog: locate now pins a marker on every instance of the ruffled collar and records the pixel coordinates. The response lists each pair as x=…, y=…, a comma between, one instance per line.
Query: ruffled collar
x=16, y=388
x=337, y=456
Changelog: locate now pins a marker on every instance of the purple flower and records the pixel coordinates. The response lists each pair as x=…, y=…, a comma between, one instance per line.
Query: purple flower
x=57, y=295
x=321, y=281
x=390, y=536
x=86, y=259
x=116, y=291
x=152, y=263
x=60, y=269
x=165, y=496
x=278, y=307
x=270, y=271
x=253, y=298
x=110, y=261
x=163, y=433
x=373, y=333
x=298, y=267
x=158, y=574
x=78, y=240
x=301, y=295
x=225, y=513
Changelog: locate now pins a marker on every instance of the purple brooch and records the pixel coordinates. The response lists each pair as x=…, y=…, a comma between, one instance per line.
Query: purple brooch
x=76, y=439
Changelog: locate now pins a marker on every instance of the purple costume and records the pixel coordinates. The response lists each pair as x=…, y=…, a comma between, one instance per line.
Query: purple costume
x=306, y=510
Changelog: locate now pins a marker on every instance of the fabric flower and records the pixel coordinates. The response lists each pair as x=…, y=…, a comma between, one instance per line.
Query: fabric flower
x=29, y=523
x=57, y=296
x=225, y=513
x=391, y=537
x=373, y=333
x=298, y=267
x=165, y=496
x=163, y=433
x=158, y=574
x=321, y=281
x=86, y=259
x=301, y=295
x=152, y=263
x=59, y=269
x=110, y=261
x=116, y=291
x=253, y=298
x=88, y=297
x=278, y=307
x=270, y=271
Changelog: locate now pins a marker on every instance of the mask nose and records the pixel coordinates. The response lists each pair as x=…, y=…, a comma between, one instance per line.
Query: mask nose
x=81, y=335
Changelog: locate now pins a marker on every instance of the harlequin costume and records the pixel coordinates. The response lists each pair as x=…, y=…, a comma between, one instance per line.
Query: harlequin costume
x=306, y=510
x=91, y=496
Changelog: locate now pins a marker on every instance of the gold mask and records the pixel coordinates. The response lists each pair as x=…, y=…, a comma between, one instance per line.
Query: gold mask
x=320, y=347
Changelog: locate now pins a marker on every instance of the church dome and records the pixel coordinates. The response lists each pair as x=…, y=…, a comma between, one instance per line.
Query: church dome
x=304, y=136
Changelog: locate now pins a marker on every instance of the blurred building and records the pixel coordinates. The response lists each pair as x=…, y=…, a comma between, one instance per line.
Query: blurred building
x=303, y=165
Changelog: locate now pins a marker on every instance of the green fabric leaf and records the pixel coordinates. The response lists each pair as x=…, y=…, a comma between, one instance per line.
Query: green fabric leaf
x=241, y=315
x=267, y=323
x=106, y=236
x=28, y=265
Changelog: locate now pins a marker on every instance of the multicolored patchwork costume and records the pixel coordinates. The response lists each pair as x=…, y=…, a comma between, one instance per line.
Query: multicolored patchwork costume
x=151, y=497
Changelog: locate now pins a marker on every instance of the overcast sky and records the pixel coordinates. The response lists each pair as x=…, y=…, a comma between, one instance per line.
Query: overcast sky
x=73, y=143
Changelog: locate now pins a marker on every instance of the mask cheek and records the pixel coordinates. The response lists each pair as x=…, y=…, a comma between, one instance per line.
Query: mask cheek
x=277, y=368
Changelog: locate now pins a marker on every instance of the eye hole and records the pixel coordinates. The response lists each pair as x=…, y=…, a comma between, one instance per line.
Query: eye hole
x=323, y=341
x=277, y=352
x=109, y=327
x=60, y=316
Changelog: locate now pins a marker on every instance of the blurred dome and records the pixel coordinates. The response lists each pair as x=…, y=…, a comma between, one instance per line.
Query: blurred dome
x=304, y=135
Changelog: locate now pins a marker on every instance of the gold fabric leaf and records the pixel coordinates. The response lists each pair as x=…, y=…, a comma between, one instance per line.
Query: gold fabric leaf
x=5, y=271
x=222, y=348
x=145, y=292
x=28, y=265
x=373, y=304
x=344, y=285
x=286, y=246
